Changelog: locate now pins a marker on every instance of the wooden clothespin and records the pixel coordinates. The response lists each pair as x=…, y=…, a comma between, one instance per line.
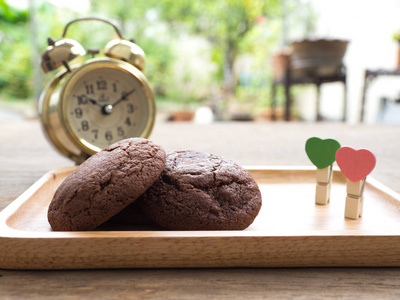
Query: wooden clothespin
x=356, y=165
x=323, y=187
x=322, y=155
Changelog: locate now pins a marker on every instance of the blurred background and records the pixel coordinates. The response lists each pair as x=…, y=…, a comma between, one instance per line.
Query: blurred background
x=222, y=56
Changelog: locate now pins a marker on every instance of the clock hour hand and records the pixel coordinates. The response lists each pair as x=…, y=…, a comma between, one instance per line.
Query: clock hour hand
x=124, y=97
x=92, y=101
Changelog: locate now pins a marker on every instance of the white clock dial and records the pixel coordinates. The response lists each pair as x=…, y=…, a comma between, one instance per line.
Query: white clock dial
x=105, y=104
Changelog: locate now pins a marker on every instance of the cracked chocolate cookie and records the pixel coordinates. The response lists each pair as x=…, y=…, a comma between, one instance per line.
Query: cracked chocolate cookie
x=105, y=184
x=201, y=191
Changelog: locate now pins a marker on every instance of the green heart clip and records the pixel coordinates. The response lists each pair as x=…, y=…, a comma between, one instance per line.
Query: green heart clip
x=322, y=152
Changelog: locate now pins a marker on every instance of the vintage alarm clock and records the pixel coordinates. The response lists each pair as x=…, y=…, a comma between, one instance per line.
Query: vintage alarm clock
x=88, y=106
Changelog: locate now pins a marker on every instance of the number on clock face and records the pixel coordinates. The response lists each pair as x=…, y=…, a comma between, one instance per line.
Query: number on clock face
x=106, y=105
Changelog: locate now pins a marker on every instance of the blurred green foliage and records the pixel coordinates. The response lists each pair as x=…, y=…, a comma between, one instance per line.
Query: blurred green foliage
x=194, y=49
x=15, y=64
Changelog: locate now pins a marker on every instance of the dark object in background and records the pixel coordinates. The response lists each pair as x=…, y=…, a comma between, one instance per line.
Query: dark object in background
x=310, y=62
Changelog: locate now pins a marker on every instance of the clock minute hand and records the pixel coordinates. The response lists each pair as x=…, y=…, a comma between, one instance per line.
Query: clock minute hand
x=124, y=97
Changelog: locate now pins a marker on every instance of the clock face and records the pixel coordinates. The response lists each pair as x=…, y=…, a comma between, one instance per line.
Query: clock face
x=104, y=103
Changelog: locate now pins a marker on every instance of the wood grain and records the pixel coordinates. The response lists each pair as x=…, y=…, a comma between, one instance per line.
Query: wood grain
x=237, y=283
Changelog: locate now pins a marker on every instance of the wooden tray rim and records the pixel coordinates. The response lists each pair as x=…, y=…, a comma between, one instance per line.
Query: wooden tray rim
x=9, y=232
x=21, y=249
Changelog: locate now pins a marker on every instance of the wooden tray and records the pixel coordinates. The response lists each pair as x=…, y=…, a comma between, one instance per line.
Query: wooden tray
x=290, y=231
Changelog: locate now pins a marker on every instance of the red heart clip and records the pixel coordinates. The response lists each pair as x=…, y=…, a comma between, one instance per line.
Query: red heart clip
x=355, y=164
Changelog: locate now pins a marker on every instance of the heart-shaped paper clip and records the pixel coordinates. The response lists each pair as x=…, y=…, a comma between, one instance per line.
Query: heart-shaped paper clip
x=355, y=164
x=322, y=152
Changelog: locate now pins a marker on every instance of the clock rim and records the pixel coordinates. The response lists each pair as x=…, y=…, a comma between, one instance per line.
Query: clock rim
x=51, y=123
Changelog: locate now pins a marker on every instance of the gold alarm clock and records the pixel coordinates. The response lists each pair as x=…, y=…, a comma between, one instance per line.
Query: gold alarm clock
x=88, y=106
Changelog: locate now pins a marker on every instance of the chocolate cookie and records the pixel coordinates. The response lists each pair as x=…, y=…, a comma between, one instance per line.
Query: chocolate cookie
x=201, y=191
x=105, y=184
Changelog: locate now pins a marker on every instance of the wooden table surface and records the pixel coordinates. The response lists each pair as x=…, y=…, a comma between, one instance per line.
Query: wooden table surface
x=25, y=155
